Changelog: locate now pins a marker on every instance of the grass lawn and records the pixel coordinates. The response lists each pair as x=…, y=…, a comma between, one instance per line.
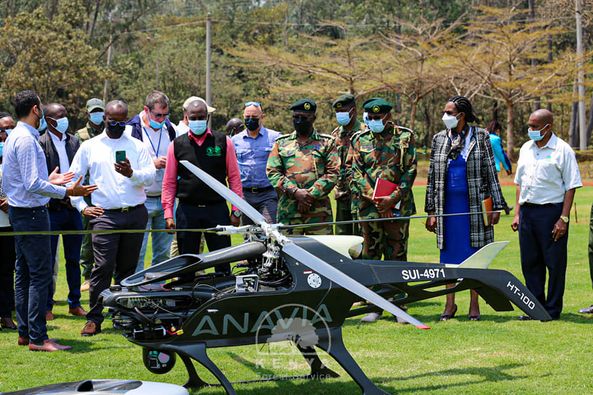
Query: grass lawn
x=496, y=355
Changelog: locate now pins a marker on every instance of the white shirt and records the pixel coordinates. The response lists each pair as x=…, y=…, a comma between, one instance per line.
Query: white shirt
x=545, y=174
x=97, y=157
x=60, y=145
x=182, y=128
x=157, y=144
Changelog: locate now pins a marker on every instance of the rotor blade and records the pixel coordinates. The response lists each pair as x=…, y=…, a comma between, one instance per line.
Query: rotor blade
x=225, y=192
x=335, y=275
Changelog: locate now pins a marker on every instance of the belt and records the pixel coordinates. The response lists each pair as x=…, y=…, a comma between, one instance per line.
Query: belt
x=526, y=204
x=257, y=190
x=123, y=209
x=153, y=196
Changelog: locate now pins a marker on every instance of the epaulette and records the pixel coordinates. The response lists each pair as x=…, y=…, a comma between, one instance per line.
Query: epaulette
x=359, y=134
x=325, y=136
x=283, y=136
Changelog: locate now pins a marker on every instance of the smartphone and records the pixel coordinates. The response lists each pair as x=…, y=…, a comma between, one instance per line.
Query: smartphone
x=120, y=156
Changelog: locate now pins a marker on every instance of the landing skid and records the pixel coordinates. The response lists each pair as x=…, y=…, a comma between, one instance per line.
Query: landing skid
x=331, y=343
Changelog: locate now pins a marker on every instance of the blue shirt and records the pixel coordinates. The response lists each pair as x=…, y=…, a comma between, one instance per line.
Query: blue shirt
x=498, y=153
x=25, y=171
x=252, y=155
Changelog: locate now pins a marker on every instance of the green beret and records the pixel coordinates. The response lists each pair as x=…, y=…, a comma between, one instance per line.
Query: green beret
x=305, y=105
x=377, y=106
x=344, y=100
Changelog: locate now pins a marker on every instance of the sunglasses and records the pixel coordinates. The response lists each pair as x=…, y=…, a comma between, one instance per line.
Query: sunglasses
x=159, y=115
x=253, y=103
x=116, y=123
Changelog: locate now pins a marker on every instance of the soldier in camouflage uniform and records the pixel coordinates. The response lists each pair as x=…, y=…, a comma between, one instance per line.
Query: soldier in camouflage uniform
x=303, y=167
x=386, y=152
x=345, y=107
x=95, y=109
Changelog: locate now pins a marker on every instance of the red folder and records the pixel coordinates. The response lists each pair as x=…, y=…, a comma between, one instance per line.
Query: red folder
x=384, y=188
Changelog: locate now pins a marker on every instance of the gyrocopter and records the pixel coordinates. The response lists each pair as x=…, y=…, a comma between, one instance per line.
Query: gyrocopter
x=177, y=308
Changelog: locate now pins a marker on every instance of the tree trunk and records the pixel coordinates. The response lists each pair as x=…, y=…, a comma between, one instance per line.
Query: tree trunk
x=510, y=137
x=413, y=113
x=573, y=130
x=590, y=123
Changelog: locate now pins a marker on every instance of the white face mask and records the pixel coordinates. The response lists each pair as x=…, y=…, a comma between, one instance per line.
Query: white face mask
x=450, y=121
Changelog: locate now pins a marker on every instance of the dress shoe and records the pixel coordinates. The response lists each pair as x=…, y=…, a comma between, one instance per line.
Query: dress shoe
x=23, y=341
x=474, y=317
x=371, y=317
x=587, y=310
x=49, y=316
x=90, y=329
x=525, y=318
x=85, y=286
x=7, y=323
x=49, y=345
x=446, y=317
x=77, y=311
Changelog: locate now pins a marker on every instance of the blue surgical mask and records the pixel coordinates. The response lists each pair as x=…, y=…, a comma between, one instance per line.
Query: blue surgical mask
x=365, y=118
x=42, y=122
x=376, y=125
x=8, y=131
x=96, y=117
x=343, y=117
x=198, y=127
x=156, y=125
x=536, y=135
x=1, y=148
x=62, y=125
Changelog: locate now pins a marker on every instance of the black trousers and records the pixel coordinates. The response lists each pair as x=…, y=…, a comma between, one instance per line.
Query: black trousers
x=7, y=259
x=189, y=216
x=539, y=252
x=116, y=254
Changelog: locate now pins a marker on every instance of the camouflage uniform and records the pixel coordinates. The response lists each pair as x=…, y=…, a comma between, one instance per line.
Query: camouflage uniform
x=389, y=155
x=342, y=192
x=313, y=166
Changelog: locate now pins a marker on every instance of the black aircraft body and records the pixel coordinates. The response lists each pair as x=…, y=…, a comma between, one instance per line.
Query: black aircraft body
x=299, y=289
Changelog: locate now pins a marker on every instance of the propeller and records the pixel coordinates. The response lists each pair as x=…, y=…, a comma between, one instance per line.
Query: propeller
x=300, y=254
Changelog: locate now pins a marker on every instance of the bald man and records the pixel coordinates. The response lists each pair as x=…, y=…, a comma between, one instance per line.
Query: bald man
x=122, y=168
x=59, y=147
x=199, y=206
x=253, y=146
x=547, y=177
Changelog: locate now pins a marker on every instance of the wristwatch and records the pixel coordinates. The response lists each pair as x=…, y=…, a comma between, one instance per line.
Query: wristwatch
x=237, y=213
x=565, y=219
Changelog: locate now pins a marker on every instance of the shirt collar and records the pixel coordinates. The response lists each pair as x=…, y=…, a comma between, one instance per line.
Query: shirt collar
x=30, y=128
x=313, y=136
x=260, y=133
x=355, y=128
x=55, y=138
x=199, y=140
x=551, y=142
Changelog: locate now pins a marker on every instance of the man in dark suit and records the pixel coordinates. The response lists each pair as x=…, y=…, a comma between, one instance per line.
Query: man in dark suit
x=59, y=147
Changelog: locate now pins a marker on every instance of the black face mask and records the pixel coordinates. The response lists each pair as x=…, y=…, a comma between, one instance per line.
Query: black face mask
x=116, y=129
x=252, y=123
x=302, y=126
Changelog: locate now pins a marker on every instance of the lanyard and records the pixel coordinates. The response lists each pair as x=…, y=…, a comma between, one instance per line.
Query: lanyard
x=156, y=151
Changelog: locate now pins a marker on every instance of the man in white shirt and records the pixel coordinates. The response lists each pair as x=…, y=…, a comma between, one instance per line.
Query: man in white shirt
x=59, y=148
x=153, y=128
x=122, y=168
x=547, y=178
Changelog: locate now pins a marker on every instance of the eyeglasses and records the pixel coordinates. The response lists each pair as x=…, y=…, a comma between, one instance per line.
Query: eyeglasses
x=375, y=117
x=450, y=113
x=253, y=103
x=116, y=123
x=159, y=115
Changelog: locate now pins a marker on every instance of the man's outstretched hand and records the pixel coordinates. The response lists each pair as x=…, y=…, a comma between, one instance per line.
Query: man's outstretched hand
x=80, y=190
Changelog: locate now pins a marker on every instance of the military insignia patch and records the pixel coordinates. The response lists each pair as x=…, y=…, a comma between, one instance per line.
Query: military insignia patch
x=376, y=109
x=307, y=106
x=338, y=105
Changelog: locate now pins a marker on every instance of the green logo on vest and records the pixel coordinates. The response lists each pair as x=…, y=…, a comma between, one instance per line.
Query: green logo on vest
x=214, y=151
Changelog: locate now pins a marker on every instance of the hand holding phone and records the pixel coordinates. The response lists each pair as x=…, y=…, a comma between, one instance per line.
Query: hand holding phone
x=120, y=156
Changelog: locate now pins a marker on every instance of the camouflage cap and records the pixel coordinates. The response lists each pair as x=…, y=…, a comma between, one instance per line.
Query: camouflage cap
x=377, y=106
x=344, y=100
x=305, y=105
x=94, y=103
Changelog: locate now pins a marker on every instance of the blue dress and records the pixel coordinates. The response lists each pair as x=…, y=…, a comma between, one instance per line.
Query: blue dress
x=457, y=245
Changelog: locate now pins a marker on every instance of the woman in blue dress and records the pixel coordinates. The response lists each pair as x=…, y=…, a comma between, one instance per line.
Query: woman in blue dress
x=461, y=175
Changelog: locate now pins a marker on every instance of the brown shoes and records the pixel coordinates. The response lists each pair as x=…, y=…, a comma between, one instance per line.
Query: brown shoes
x=90, y=329
x=49, y=345
x=77, y=311
x=23, y=341
x=7, y=323
x=49, y=316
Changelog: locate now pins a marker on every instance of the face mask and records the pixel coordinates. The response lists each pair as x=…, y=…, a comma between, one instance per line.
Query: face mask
x=116, y=129
x=1, y=148
x=376, y=125
x=42, y=122
x=343, y=118
x=252, y=123
x=536, y=135
x=365, y=118
x=62, y=125
x=302, y=125
x=8, y=131
x=96, y=117
x=198, y=127
x=156, y=125
x=450, y=121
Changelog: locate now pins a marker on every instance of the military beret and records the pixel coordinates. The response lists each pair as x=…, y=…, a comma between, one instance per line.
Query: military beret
x=343, y=100
x=306, y=105
x=377, y=106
